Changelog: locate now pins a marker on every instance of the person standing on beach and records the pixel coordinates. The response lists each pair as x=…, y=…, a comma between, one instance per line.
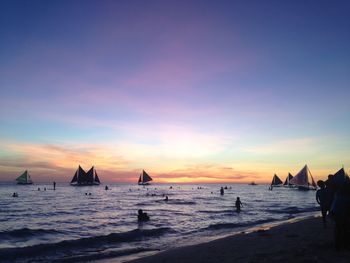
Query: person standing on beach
x=324, y=199
x=238, y=205
x=340, y=210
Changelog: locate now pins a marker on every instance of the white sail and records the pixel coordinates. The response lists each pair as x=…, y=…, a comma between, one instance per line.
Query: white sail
x=304, y=179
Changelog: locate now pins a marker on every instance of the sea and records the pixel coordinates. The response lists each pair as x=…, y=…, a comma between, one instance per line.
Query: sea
x=80, y=224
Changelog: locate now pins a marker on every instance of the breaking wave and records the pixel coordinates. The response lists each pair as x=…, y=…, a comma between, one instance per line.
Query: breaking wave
x=69, y=246
x=236, y=225
x=26, y=232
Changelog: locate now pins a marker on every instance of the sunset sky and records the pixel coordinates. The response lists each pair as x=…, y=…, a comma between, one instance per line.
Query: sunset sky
x=190, y=91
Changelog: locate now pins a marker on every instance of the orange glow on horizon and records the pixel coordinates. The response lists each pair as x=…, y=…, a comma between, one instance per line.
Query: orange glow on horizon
x=60, y=162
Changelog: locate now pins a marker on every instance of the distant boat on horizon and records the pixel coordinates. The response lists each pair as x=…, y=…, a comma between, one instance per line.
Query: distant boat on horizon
x=82, y=178
x=252, y=183
x=24, y=178
x=304, y=180
x=144, y=178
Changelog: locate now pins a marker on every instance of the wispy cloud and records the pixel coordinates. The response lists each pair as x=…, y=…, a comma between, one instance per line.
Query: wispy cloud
x=58, y=159
x=288, y=146
x=119, y=162
x=209, y=173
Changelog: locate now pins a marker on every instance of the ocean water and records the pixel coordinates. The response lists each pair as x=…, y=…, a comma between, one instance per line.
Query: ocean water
x=68, y=226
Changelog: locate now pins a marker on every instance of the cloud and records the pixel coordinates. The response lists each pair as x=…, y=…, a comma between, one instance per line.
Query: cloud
x=289, y=146
x=53, y=160
x=118, y=162
x=177, y=154
x=209, y=173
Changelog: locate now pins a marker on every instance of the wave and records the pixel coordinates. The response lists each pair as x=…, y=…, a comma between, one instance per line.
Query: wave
x=180, y=202
x=223, y=226
x=292, y=210
x=230, y=211
x=103, y=255
x=9, y=210
x=174, y=202
x=72, y=246
x=235, y=225
x=26, y=232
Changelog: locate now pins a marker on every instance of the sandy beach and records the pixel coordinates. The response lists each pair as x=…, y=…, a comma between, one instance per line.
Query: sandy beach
x=302, y=241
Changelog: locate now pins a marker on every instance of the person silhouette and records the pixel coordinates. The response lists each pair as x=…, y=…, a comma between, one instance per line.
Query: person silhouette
x=166, y=198
x=324, y=199
x=222, y=191
x=340, y=210
x=238, y=205
x=54, y=185
x=142, y=216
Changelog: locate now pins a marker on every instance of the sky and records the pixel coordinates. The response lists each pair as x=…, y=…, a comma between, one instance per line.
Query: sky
x=190, y=91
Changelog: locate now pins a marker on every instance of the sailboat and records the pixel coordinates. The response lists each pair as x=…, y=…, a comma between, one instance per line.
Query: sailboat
x=276, y=181
x=287, y=181
x=144, y=178
x=340, y=178
x=304, y=180
x=82, y=178
x=24, y=178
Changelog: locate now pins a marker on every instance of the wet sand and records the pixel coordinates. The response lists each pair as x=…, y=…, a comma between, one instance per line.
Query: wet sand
x=301, y=241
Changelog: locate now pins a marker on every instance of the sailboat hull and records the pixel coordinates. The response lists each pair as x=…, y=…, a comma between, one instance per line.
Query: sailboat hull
x=24, y=183
x=146, y=183
x=305, y=188
x=84, y=184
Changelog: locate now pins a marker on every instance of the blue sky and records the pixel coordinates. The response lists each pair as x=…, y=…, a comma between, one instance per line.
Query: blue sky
x=247, y=88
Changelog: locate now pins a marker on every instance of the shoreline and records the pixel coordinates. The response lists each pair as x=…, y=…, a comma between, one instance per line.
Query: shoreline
x=294, y=240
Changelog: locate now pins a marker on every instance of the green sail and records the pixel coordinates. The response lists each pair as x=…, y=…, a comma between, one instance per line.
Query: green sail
x=24, y=178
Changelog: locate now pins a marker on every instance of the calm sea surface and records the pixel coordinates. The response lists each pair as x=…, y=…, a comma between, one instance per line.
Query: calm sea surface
x=67, y=225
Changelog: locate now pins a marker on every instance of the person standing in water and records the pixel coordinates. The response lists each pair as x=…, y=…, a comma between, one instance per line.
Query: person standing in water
x=222, y=191
x=238, y=205
x=54, y=185
x=142, y=216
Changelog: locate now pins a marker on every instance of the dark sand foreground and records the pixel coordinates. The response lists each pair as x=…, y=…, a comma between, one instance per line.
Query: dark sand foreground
x=301, y=241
